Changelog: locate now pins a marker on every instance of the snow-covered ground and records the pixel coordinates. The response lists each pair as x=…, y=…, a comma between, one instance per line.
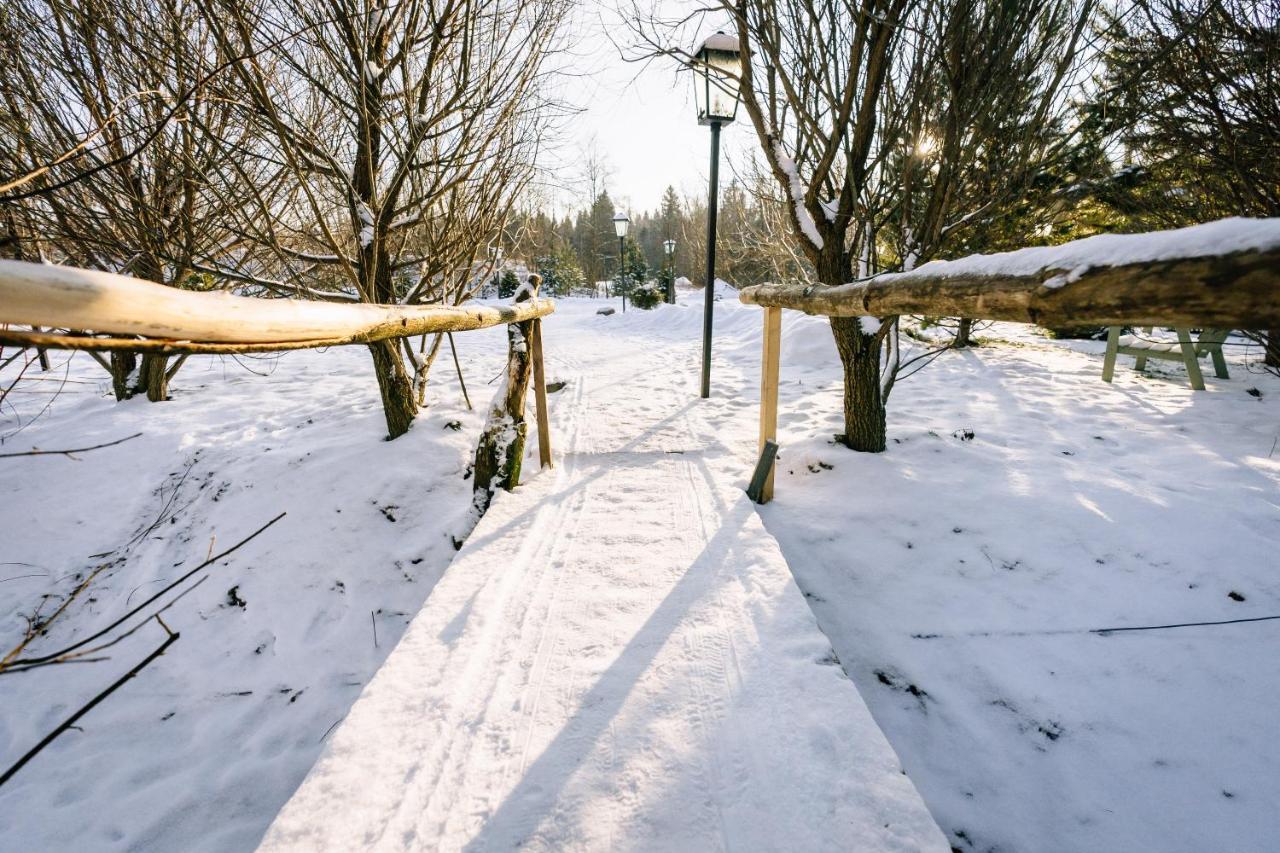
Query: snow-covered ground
x=619, y=659
x=200, y=750
x=956, y=578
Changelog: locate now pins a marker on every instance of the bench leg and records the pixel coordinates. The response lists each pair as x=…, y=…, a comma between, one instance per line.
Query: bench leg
x=1190, y=360
x=1140, y=363
x=1219, y=363
x=1109, y=362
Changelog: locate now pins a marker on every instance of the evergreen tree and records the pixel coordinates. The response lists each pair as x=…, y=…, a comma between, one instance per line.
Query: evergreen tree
x=634, y=270
x=561, y=275
x=508, y=284
x=599, y=241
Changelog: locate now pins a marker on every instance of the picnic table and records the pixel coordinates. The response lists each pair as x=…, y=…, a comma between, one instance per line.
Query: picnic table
x=1189, y=352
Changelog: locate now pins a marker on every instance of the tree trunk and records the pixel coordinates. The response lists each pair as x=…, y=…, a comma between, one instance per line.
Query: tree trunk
x=122, y=366
x=398, y=402
x=153, y=377
x=962, y=333
x=864, y=418
x=1272, y=358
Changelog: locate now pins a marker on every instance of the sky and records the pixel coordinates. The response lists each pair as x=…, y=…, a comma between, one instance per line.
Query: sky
x=642, y=121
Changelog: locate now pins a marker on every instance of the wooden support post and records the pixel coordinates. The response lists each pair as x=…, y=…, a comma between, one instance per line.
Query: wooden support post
x=1219, y=363
x=771, y=354
x=540, y=394
x=763, y=473
x=1190, y=359
x=1109, y=362
x=501, y=449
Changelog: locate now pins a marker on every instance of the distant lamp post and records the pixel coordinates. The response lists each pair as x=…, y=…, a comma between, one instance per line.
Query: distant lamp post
x=716, y=66
x=670, y=247
x=620, y=224
x=495, y=257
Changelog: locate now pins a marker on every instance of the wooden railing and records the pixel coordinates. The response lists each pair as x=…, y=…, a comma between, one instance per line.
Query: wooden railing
x=170, y=320
x=105, y=311
x=1232, y=290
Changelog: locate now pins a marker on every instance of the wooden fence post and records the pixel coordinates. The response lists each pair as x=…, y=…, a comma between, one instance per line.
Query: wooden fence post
x=769, y=389
x=501, y=449
x=540, y=394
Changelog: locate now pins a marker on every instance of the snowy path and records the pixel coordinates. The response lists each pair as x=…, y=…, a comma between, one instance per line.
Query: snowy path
x=618, y=659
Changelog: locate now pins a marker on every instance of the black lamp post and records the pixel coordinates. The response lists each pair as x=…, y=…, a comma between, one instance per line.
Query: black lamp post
x=717, y=64
x=620, y=223
x=670, y=247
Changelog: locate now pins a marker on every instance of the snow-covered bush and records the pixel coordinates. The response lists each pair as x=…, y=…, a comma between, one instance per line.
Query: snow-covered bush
x=647, y=295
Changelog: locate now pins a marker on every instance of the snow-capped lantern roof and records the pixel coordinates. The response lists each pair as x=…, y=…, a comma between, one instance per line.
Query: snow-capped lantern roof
x=719, y=40
x=716, y=66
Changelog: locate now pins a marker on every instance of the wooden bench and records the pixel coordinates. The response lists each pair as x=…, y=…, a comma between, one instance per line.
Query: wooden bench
x=1184, y=350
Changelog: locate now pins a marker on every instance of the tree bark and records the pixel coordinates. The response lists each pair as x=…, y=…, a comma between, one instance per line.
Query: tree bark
x=398, y=404
x=123, y=364
x=1272, y=358
x=864, y=414
x=963, y=332
x=153, y=377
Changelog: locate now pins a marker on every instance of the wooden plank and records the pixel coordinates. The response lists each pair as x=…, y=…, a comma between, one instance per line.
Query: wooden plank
x=1109, y=361
x=181, y=320
x=771, y=353
x=1236, y=291
x=1190, y=360
x=540, y=395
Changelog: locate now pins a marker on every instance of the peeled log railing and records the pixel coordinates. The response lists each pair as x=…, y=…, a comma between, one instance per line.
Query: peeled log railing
x=1237, y=291
x=105, y=311
x=1223, y=275
x=176, y=321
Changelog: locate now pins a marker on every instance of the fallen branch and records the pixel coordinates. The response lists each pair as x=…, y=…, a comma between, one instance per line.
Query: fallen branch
x=27, y=663
x=71, y=721
x=82, y=656
x=68, y=453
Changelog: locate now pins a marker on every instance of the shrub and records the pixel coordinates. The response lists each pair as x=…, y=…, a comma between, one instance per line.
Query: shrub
x=647, y=295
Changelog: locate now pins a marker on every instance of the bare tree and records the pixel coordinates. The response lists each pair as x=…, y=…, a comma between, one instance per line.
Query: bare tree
x=406, y=131
x=843, y=96
x=110, y=161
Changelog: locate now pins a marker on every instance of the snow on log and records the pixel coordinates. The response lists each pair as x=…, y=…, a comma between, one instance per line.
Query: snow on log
x=1224, y=274
x=176, y=320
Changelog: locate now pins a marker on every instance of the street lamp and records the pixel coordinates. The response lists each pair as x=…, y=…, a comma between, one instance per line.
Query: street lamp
x=670, y=247
x=495, y=257
x=716, y=66
x=620, y=223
